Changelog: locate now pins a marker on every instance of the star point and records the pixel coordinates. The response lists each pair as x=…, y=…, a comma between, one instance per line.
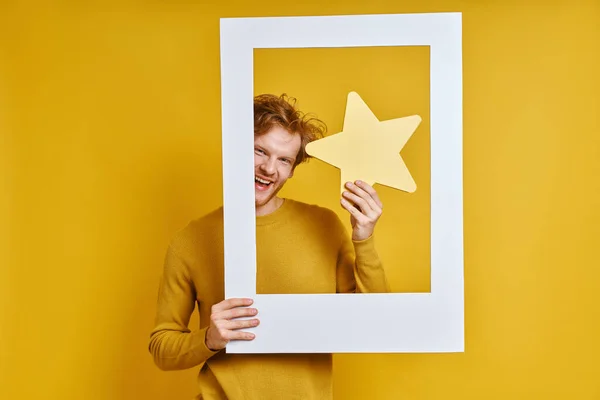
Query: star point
x=368, y=149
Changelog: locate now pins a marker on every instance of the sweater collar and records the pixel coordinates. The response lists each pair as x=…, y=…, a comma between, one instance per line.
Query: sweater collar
x=277, y=215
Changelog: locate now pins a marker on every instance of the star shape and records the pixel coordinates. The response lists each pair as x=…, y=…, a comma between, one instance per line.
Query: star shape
x=368, y=149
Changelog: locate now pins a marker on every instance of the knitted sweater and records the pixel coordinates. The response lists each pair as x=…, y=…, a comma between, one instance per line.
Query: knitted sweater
x=301, y=248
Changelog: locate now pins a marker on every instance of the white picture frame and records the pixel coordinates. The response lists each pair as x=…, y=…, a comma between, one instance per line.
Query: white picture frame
x=348, y=323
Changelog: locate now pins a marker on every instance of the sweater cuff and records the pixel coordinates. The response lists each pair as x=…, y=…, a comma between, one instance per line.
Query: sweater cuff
x=365, y=249
x=200, y=348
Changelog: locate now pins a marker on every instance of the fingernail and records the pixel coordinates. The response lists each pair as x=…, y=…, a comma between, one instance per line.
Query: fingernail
x=358, y=182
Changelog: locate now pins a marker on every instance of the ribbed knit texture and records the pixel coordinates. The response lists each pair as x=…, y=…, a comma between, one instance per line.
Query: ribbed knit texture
x=301, y=248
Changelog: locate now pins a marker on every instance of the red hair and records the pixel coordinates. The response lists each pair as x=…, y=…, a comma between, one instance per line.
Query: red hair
x=271, y=110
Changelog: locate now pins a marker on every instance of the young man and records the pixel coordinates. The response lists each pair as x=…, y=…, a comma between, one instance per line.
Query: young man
x=301, y=248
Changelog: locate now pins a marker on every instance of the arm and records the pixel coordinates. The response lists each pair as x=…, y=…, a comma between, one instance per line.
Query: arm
x=172, y=344
x=359, y=268
x=358, y=254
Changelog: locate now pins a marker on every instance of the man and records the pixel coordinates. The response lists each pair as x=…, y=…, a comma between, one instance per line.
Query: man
x=301, y=248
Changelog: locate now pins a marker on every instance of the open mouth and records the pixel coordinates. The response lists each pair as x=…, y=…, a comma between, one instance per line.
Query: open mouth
x=261, y=184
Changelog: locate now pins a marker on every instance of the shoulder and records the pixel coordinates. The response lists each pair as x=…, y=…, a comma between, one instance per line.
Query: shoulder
x=318, y=222
x=207, y=227
x=314, y=211
x=211, y=220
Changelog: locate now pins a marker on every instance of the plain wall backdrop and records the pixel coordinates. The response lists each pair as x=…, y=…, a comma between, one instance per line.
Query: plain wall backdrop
x=110, y=142
x=394, y=83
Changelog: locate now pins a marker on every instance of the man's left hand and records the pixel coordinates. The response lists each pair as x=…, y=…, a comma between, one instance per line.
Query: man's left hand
x=364, y=206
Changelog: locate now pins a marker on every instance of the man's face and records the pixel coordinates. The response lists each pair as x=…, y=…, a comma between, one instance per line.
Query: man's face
x=275, y=153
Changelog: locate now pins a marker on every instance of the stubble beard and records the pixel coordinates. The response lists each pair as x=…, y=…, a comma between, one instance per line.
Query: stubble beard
x=271, y=199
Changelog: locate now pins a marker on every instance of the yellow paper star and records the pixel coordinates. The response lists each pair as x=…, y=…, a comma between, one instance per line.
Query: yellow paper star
x=368, y=149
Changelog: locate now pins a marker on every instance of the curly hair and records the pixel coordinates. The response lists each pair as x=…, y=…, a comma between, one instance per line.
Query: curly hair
x=271, y=110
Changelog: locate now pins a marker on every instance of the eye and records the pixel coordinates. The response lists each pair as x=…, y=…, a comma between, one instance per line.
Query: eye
x=259, y=151
x=285, y=160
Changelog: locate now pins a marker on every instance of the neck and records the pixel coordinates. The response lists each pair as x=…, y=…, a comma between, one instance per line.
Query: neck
x=270, y=207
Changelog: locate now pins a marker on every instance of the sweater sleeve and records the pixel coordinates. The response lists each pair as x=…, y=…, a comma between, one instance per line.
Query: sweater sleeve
x=359, y=268
x=172, y=344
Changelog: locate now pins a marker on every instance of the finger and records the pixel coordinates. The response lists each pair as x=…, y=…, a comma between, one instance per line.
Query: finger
x=238, y=335
x=357, y=190
x=355, y=212
x=359, y=203
x=372, y=192
x=236, y=313
x=241, y=324
x=231, y=303
x=369, y=194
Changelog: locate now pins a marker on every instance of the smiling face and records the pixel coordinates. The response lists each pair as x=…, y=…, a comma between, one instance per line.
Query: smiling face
x=275, y=155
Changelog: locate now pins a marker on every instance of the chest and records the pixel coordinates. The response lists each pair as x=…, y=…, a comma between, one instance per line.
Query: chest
x=296, y=262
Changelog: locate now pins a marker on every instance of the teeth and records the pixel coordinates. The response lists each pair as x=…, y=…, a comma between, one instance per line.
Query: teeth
x=262, y=181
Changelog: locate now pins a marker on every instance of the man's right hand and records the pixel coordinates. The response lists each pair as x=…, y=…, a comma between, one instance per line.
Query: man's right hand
x=223, y=326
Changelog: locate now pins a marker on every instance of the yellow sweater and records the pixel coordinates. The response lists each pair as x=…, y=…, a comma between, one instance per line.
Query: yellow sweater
x=301, y=248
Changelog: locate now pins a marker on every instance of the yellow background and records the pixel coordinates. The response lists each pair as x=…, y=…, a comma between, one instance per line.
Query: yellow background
x=394, y=82
x=110, y=128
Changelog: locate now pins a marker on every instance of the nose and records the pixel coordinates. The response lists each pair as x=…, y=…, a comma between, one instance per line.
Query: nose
x=268, y=166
